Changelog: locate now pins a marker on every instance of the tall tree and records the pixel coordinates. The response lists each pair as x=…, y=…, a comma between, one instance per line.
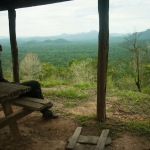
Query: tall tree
x=132, y=43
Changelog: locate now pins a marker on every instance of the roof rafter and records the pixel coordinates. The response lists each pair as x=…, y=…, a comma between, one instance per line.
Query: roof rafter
x=14, y=4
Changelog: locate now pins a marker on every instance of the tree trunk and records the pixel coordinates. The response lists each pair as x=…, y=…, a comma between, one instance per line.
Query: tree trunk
x=138, y=82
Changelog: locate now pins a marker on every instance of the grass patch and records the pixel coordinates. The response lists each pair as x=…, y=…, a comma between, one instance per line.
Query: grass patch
x=140, y=128
x=52, y=83
x=85, y=120
x=133, y=102
x=118, y=127
x=70, y=104
x=68, y=93
x=115, y=126
x=82, y=85
x=130, y=95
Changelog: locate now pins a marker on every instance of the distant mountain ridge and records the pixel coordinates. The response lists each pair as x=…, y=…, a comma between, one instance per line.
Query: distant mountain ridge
x=85, y=36
x=60, y=40
x=145, y=34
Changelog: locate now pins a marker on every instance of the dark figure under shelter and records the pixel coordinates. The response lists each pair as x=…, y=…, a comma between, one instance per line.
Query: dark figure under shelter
x=34, y=93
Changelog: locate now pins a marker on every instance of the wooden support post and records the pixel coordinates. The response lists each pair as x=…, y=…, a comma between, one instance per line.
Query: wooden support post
x=12, y=124
x=103, y=7
x=14, y=116
x=13, y=41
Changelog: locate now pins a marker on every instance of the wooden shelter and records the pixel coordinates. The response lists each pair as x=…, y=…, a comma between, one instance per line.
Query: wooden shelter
x=103, y=7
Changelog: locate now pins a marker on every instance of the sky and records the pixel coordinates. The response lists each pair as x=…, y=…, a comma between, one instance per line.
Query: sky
x=77, y=16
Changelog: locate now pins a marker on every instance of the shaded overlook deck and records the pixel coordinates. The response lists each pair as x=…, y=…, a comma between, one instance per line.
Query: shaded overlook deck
x=103, y=42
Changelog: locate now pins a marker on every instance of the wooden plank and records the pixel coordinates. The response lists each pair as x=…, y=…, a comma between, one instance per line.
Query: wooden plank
x=32, y=103
x=9, y=91
x=79, y=146
x=14, y=116
x=91, y=140
x=28, y=105
x=107, y=148
x=36, y=100
x=74, y=138
x=12, y=124
x=102, y=140
x=88, y=139
x=108, y=141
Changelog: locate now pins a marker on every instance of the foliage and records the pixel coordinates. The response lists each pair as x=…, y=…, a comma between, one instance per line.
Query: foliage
x=82, y=85
x=126, y=83
x=53, y=82
x=141, y=128
x=76, y=62
x=70, y=104
x=30, y=67
x=67, y=93
x=47, y=71
x=83, y=70
x=132, y=102
x=84, y=120
x=118, y=127
x=132, y=43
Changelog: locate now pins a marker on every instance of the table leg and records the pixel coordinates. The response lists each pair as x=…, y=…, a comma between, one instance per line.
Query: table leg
x=13, y=124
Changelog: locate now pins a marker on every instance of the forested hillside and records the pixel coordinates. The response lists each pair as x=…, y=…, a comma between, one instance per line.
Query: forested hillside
x=63, y=58
x=57, y=53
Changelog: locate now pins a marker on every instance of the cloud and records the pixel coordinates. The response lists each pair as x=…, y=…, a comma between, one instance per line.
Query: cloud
x=127, y=15
x=67, y=17
x=4, y=28
x=77, y=16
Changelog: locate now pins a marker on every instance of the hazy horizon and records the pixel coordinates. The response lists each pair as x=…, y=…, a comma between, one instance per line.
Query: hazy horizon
x=77, y=16
x=73, y=34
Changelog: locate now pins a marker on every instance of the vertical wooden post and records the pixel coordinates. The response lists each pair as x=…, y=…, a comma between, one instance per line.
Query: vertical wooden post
x=103, y=7
x=13, y=123
x=13, y=41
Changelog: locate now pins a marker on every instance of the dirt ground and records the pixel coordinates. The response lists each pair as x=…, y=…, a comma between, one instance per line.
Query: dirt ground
x=40, y=134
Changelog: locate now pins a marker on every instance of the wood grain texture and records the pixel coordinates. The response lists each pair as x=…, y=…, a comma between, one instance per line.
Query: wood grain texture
x=102, y=140
x=74, y=138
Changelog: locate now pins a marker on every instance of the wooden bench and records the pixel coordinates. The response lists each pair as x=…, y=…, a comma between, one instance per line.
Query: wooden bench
x=29, y=105
x=34, y=104
x=9, y=94
x=14, y=116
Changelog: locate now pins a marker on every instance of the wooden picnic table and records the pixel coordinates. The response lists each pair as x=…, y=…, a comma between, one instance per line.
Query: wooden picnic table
x=9, y=92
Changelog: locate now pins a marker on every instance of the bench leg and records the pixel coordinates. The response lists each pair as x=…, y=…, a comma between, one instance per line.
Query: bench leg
x=7, y=109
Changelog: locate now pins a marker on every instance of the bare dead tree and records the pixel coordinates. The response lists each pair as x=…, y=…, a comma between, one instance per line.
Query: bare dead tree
x=132, y=43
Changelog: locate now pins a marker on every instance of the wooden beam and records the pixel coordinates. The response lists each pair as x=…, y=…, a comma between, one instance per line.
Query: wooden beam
x=13, y=41
x=103, y=7
x=12, y=124
x=14, y=4
x=14, y=116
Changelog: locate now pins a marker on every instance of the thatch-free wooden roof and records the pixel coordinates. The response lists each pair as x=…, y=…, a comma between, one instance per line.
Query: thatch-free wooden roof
x=14, y=4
